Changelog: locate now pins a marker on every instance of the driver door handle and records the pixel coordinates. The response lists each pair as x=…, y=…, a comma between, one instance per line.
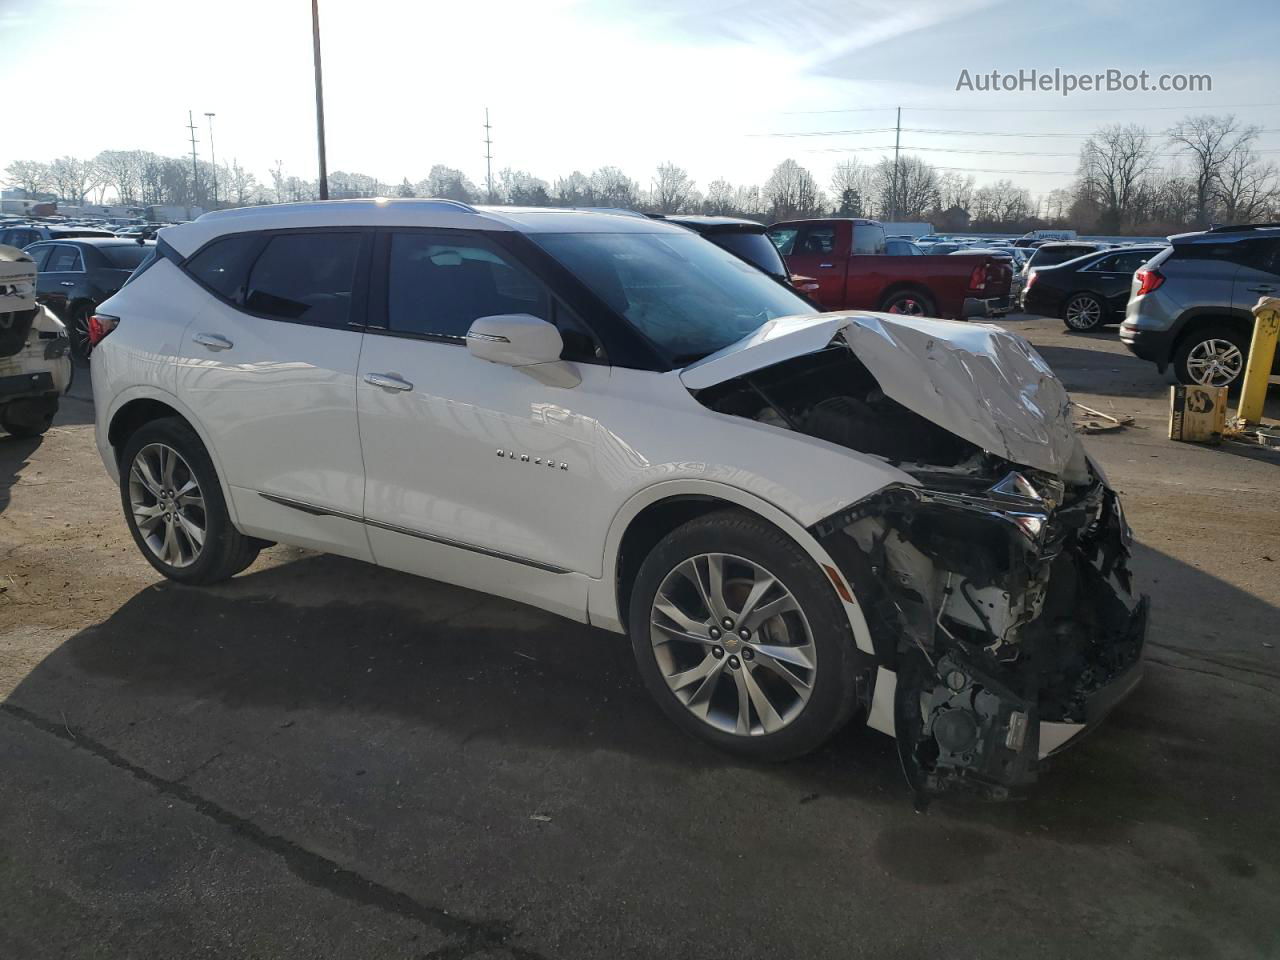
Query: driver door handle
x=66, y=283
x=213, y=341
x=1261, y=288
x=387, y=381
x=826, y=266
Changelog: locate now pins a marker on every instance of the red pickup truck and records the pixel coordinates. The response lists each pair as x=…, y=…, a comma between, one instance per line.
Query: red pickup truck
x=847, y=258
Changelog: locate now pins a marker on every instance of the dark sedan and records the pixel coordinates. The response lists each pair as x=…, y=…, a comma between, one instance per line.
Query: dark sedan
x=1086, y=292
x=77, y=275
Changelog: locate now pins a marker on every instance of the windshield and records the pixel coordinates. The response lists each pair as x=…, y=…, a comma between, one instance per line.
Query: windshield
x=753, y=247
x=126, y=257
x=688, y=296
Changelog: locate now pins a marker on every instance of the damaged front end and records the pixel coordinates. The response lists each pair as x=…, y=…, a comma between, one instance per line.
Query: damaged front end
x=1005, y=612
x=994, y=578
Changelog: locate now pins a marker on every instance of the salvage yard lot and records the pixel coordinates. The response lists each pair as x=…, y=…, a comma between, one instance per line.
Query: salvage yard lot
x=320, y=758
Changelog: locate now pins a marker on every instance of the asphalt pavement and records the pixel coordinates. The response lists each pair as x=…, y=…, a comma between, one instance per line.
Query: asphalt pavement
x=324, y=759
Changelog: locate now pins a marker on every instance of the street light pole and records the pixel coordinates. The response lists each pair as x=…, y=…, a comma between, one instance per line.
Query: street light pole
x=315, y=42
x=213, y=156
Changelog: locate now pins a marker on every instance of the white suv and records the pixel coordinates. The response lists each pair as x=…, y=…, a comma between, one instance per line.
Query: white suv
x=795, y=516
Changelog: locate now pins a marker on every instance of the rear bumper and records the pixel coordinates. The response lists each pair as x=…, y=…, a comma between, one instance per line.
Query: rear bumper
x=975, y=308
x=1153, y=345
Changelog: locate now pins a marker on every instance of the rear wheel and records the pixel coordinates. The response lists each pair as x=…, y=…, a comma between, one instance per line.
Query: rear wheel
x=741, y=640
x=174, y=506
x=1083, y=311
x=914, y=303
x=1213, y=356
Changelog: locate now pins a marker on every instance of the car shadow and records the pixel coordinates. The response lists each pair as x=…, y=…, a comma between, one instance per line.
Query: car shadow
x=15, y=454
x=406, y=652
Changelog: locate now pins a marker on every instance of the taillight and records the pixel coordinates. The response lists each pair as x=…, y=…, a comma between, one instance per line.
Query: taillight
x=1148, y=280
x=1031, y=278
x=978, y=279
x=100, y=324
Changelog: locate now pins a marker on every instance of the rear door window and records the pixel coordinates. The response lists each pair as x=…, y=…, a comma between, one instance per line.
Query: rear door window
x=307, y=277
x=438, y=285
x=817, y=241
x=65, y=259
x=223, y=265
x=40, y=254
x=784, y=238
x=868, y=238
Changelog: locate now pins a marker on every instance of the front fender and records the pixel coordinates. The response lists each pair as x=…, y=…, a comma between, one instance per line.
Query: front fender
x=602, y=601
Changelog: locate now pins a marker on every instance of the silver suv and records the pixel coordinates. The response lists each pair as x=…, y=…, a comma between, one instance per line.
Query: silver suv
x=1190, y=306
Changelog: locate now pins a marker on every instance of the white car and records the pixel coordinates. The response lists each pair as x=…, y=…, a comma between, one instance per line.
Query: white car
x=796, y=516
x=35, y=359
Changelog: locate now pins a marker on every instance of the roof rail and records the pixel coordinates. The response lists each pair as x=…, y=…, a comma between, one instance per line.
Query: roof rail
x=459, y=204
x=1243, y=227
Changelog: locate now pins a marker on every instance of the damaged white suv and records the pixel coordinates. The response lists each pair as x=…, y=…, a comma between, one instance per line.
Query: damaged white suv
x=35, y=357
x=795, y=516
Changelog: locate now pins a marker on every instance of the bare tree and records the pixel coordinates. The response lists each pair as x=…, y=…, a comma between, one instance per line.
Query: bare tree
x=278, y=181
x=30, y=176
x=749, y=201
x=1247, y=187
x=1209, y=143
x=70, y=178
x=955, y=192
x=851, y=188
x=906, y=190
x=575, y=190
x=121, y=170
x=719, y=199
x=613, y=188
x=448, y=183
x=241, y=185
x=1113, y=163
x=672, y=188
x=522, y=189
x=791, y=191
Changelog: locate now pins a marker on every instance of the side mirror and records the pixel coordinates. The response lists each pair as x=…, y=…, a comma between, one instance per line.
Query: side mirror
x=515, y=339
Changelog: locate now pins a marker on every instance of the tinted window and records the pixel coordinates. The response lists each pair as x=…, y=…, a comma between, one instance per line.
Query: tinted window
x=126, y=257
x=1051, y=256
x=1262, y=253
x=817, y=241
x=1126, y=262
x=221, y=266
x=688, y=296
x=64, y=259
x=868, y=238
x=438, y=285
x=305, y=276
x=40, y=254
x=784, y=238
x=752, y=247
x=901, y=248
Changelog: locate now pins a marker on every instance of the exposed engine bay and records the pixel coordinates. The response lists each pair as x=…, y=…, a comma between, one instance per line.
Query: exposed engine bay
x=998, y=594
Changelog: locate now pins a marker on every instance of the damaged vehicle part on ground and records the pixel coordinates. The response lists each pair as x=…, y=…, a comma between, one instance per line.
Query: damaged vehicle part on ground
x=998, y=595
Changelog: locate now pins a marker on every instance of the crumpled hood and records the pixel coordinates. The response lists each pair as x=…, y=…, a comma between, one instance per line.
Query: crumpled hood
x=977, y=380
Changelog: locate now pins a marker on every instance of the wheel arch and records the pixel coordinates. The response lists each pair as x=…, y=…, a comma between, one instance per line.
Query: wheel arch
x=137, y=408
x=652, y=513
x=906, y=286
x=1194, y=322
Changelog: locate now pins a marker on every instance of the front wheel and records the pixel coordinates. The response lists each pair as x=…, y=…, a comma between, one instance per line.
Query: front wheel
x=741, y=639
x=1084, y=312
x=174, y=506
x=1213, y=356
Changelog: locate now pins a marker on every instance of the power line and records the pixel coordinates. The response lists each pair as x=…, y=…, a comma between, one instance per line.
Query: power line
x=1131, y=109
x=995, y=153
x=942, y=131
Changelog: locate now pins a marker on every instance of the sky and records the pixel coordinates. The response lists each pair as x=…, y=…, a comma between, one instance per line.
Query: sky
x=577, y=84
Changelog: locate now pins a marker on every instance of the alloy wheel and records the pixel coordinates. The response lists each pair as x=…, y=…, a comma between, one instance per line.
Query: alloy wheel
x=733, y=645
x=1215, y=362
x=908, y=305
x=1083, y=313
x=167, y=505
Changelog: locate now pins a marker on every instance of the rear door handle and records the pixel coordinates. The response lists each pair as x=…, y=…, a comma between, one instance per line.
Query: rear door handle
x=826, y=266
x=66, y=283
x=1261, y=288
x=213, y=341
x=387, y=381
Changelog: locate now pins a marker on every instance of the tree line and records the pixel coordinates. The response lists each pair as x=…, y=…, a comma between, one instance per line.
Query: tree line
x=1210, y=170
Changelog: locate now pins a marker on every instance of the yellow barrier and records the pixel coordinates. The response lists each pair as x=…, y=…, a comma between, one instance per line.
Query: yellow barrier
x=1262, y=352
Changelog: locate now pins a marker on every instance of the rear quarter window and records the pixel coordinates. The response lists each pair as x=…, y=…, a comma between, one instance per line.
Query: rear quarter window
x=222, y=265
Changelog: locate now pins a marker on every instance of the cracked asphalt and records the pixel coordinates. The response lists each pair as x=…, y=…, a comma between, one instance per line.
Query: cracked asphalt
x=324, y=759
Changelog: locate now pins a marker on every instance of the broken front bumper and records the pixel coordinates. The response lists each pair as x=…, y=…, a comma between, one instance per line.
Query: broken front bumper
x=1003, y=628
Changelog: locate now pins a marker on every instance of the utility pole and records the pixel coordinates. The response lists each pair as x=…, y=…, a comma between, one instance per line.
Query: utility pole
x=897, y=137
x=195, y=169
x=214, y=159
x=488, y=156
x=315, y=43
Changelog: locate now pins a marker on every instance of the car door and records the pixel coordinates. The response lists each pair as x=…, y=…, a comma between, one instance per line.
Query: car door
x=1112, y=276
x=61, y=279
x=1259, y=273
x=476, y=473
x=269, y=366
x=819, y=250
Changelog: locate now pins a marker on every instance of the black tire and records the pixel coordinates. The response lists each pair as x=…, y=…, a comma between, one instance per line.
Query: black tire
x=833, y=695
x=28, y=417
x=1199, y=342
x=912, y=302
x=225, y=551
x=1082, y=312
x=78, y=333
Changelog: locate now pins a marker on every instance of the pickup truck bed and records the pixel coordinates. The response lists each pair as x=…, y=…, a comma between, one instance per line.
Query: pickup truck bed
x=846, y=257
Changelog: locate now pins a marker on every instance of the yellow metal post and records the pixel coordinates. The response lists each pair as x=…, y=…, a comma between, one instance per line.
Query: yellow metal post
x=1262, y=352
